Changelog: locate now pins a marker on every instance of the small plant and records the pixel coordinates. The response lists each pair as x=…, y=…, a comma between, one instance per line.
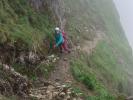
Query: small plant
x=33, y=77
x=85, y=77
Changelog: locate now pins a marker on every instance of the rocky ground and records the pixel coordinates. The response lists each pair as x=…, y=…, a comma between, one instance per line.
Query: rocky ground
x=54, y=91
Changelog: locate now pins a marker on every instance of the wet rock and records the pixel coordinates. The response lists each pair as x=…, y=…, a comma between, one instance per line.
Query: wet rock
x=69, y=92
x=50, y=96
x=46, y=83
x=62, y=94
x=50, y=88
x=55, y=94
x=68, y=97
x=65, y=59
x=74, y=99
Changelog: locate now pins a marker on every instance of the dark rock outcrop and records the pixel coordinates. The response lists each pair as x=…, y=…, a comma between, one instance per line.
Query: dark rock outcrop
x=15, y=83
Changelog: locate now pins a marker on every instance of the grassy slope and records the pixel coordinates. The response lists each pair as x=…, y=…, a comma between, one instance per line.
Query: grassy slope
x=112, y=56
x=22, y=23
x=19, y=21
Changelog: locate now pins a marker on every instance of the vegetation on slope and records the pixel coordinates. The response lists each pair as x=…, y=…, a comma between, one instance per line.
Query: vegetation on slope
x=103, y=72
x=24, y=29
x=20, y=22
x=85, y=75
x=110, y=61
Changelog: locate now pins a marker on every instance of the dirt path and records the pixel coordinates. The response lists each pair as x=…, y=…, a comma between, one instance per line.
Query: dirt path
x=62, y=72
x=62, y=69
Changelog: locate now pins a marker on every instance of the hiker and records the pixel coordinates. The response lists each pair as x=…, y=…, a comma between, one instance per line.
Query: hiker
x=61, y=40
x=58, y=38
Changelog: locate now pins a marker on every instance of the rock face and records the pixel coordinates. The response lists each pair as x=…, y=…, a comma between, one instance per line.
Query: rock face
x=56, y=6
x=59, y=10
x=15, y=82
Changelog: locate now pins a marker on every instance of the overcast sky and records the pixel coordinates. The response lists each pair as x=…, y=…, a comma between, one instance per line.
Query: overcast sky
x=125, y=8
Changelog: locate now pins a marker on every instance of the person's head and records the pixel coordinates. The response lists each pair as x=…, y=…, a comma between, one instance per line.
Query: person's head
x=57, y=30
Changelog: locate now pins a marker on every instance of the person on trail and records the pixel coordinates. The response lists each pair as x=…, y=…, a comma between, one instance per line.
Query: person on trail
x=58, y=38
x=61, y=40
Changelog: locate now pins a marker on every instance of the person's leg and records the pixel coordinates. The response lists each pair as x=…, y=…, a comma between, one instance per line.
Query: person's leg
x=66, y=46
x=61, y=48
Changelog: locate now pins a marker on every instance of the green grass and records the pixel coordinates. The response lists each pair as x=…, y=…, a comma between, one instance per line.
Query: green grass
x=105, y=63
x=103, y=72
x=24, y=27
x=20, y=21
x=27, y=29
x=83, y=74
x=111, y=62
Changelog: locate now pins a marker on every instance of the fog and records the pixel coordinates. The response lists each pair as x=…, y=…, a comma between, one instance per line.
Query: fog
x=125, y=9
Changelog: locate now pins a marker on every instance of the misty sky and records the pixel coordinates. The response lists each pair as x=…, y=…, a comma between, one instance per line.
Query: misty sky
x=125, y=8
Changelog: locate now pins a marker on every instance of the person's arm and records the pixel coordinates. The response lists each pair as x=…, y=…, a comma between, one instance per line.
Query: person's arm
x=60, y=40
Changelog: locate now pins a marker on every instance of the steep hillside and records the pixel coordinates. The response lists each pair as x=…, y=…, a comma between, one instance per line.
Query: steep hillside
x=98, y=68
x=111, y=61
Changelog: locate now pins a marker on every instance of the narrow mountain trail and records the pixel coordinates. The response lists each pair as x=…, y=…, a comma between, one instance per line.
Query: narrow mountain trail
x=62, y=72
x=62, y=75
